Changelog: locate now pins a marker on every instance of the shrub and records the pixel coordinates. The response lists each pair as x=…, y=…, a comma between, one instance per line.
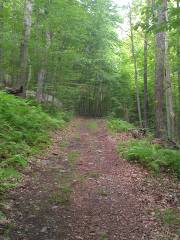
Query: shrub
x=52, y=111
x=151, y=155
x=117, y=125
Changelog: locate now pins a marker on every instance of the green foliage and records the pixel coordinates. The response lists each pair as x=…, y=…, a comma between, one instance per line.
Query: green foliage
x=8, y=172
x=2, y=216
x=89, y=68
x=92, y=125
x=104, y=236
x=118, y=125
x=170, y=217
x=65, y=116
x=62, y=196
x=23, y=130
x=72, y=156
x=8, y=178
x=151, y=155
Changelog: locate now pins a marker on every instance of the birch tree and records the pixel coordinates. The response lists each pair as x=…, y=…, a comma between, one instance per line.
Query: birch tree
x=43, y=70
x=24, y=44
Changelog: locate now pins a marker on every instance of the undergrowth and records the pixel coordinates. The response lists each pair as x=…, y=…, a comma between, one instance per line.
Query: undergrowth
x=24, y=129
x=153, y=156
x=118, y=125
x=170, y=217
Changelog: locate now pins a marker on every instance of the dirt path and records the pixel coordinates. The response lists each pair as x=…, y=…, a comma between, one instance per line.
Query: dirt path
x=81, y=189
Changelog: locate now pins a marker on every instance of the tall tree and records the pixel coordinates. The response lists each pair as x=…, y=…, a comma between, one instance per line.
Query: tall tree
x=1, y=39
x=135, y=69
x=160, y=68
x=24, y=43
x=178, y=68
x=178, y=47
x=168, y=90
x=46, y=40
x=146, y=66
x=43, y=69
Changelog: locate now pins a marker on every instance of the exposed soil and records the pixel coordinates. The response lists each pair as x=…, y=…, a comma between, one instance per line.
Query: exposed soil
x=81, y=189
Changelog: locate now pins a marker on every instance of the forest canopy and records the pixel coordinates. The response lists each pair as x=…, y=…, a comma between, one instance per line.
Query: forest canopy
x=96, y=58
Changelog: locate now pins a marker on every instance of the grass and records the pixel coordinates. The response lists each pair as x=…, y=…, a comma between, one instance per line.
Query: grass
x=77, y=137
x=153, y=156
x=94, y=175
x=118, y=125
x=170, y=218
x=24, y=130
x=64, y=144
x=92, y=125
x=72, y=156
x=104, y=236
x=103, y=192
x=62, y=195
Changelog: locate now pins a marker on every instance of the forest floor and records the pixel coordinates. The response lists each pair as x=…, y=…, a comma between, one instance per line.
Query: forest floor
x=80, y=189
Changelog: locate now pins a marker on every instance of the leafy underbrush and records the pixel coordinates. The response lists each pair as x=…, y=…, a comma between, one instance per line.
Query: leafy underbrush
x=151, y=155
x=117, y=125
x=24, y=130
x=52, y=111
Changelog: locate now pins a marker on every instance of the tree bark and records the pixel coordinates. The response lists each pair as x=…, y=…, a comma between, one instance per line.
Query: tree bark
x=168, y=91
x=43, y=71
x=24, y=44
x=135, y=70
x=1, y=39
x=29, y=77
x=178, y=73
x=160, y=70
x=146, y=68
x=145, y=83
x=40, y=84
x=178, y=49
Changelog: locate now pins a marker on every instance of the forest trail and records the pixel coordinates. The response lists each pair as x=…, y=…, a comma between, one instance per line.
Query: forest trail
x=81, y=189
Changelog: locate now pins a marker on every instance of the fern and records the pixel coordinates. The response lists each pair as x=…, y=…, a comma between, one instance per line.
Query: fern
x=151, y=155
x=24, y=130
x=117, y=125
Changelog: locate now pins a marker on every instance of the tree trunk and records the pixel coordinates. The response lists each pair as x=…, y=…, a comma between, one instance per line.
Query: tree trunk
x=1, y=39
x=178, y=49
x=160, y=70
x=40, y=84
x=24, y=44
x=169, y=103
x=43, y=71
x=146, y=68
x=29, y=77
x=135, y=71
x=178, y=73
x=168, y=92
x=145, y=83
